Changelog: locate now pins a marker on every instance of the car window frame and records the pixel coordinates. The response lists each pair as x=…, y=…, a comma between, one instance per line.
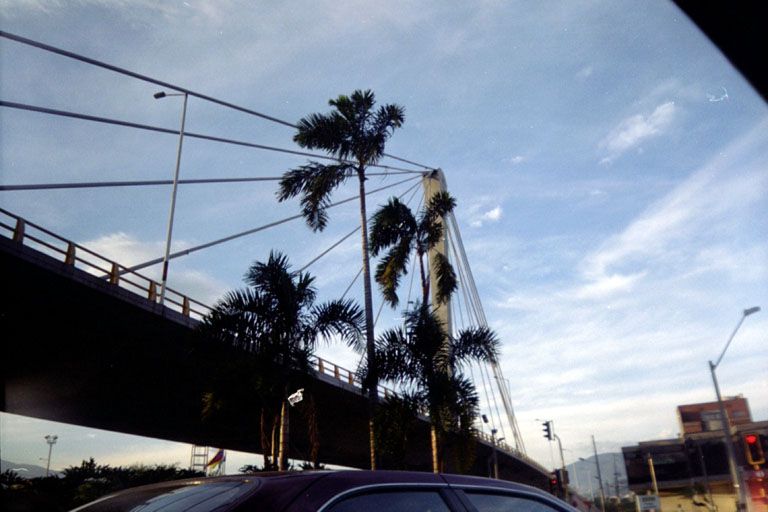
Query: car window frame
x=554, y=503
x=446, y=492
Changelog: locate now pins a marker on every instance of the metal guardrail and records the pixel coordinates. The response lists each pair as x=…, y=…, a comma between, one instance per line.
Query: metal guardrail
x=70, y=253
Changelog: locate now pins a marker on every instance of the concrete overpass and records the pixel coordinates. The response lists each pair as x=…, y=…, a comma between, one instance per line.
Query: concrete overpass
x=94, y=348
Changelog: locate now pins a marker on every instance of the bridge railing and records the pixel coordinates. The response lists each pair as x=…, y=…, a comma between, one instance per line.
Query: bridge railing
x=325, y=367
x=505, y=447
x=26, y=233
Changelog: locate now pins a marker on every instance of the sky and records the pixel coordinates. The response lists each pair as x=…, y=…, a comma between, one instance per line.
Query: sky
x=610, y=168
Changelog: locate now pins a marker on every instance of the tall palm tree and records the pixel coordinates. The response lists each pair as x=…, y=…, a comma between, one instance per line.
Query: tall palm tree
x=423, y=357
x=277, y=320
x=355, y=134
x=396, y=230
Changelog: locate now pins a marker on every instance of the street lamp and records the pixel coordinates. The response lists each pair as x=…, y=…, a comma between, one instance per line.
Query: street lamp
x=51, y=440
x=726, y=423
x=159, y=95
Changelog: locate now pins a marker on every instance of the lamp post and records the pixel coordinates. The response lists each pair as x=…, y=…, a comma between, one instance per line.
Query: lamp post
x=51, y=440
x=159, y=95
x=726, y=423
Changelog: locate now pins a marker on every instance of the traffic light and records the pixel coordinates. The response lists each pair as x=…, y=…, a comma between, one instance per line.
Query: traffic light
x=753, y=449
x=553, y=483
x=547, y=430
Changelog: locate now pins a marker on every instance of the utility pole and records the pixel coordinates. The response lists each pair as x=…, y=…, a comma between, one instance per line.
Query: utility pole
x=599, y=475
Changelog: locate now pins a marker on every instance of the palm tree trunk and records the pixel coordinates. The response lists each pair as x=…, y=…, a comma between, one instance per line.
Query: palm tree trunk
x=274, y=447
x=265, y=448
x=373, y=380
x=314, y=434
x=424, y=281
x=435, y=449
x=282, y=456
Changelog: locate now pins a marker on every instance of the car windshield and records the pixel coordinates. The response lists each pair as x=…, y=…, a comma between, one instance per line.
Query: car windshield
x=506, y=239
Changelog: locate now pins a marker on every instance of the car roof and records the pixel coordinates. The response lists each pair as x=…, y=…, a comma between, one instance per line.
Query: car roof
x=312, y=489
x=321, y=487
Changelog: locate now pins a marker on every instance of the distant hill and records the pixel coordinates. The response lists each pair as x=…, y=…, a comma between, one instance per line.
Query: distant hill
x=24, y=470
x=580, y=473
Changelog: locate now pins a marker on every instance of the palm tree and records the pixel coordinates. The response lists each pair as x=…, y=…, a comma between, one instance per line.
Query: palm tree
x=277, y=320
x=355, y=134
x=398, y=232
x=423, y=357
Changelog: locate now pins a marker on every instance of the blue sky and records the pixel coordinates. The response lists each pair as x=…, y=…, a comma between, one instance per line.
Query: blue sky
x=611, y=170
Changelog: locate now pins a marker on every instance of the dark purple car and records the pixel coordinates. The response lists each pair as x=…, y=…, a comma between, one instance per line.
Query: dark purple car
x=333, y=491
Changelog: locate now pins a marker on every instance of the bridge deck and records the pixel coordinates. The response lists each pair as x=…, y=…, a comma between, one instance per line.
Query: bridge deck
x=77, y=349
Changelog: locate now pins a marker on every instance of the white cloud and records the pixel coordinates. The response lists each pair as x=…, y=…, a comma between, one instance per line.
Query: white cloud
x=517, y=159
x=698, y=203
x=478, y=219
x=493, y=215
x=606, y=286
x=127, y=251
x=633, y=130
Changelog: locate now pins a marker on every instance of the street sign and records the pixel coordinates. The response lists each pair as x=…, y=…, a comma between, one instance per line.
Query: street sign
x=648, y=502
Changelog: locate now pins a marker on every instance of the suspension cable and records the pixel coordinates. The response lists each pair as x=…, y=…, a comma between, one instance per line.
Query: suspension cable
x=186, y=252
x=105, y=184
x=469, y=307
x=211, y=138
x=144, y=78
x=339, y=242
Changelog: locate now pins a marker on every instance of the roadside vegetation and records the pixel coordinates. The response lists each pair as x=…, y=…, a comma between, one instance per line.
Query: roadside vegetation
x=78, y=485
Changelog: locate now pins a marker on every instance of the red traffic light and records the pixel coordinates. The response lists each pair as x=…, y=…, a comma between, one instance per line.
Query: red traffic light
x=753, y=449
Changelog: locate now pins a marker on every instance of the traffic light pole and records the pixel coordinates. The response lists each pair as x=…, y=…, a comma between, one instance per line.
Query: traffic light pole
x=562, y=472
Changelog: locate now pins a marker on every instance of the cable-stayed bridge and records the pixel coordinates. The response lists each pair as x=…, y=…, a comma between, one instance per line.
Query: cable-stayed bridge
x=62, y=294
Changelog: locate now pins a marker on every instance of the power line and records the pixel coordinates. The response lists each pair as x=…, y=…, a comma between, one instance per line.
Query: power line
x=140, y=126
x=144, y=78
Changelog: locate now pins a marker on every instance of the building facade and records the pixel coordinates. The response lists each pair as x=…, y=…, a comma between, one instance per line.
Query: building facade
x=691, y=471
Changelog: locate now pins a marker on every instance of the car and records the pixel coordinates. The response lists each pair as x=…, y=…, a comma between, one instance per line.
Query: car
x=333, y=491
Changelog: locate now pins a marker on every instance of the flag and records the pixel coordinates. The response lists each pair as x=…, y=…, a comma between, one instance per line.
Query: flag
x=217, y=459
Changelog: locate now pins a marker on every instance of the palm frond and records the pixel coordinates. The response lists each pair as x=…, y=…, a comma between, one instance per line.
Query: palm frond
x=343, y=318
x=314, y=182
x=390, y=270
x=439, y=205
x=391, y=224
x=478, y=344
x=445, y=278
x=393, y=357
x=322, y=131
x=388, y=117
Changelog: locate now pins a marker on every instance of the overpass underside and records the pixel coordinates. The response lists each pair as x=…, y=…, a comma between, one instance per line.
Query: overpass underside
x=79, y=350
